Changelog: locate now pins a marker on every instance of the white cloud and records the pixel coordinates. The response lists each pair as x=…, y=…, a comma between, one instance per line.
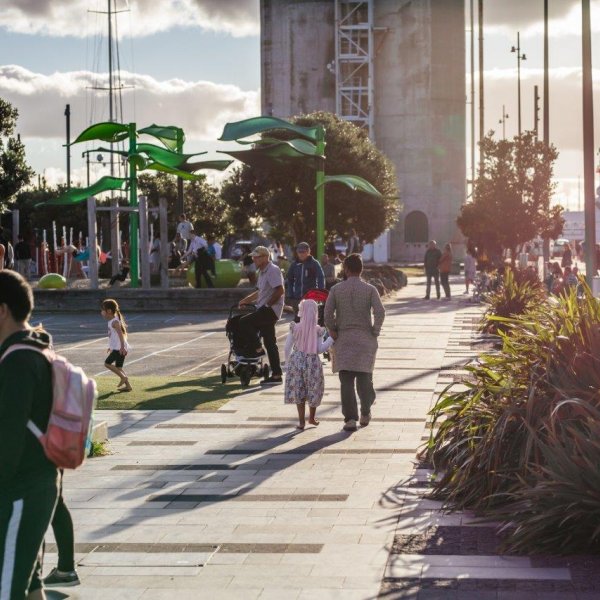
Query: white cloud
x=201, y=107
x=146, y=17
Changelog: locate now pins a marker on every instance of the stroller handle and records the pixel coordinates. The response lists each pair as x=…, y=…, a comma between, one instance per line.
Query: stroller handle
x=244, y=308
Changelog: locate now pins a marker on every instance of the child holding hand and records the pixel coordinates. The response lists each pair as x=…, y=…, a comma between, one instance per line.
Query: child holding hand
x=304, y=380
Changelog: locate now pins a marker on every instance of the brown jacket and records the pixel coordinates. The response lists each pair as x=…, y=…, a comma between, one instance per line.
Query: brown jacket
x=445, y=262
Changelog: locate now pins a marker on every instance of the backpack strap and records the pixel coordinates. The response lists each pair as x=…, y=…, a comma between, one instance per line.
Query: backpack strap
x=46, y=353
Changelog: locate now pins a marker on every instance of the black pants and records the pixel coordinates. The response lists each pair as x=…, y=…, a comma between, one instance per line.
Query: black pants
x=24, y=519
x=445, y=284
x=436, y=277
x=201, y=268
x=366, y=393
x=263, y=321
x=62, y=526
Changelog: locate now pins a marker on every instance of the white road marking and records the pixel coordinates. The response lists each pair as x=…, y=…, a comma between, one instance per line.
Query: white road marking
x=160, y=351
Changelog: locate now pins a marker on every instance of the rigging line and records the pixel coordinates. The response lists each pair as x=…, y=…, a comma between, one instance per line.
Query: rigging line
x=133, y=71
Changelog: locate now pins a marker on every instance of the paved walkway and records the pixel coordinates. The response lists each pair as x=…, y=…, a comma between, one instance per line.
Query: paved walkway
x=236, y=504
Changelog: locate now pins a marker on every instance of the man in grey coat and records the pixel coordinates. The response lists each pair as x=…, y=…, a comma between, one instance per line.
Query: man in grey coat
x=354, y=315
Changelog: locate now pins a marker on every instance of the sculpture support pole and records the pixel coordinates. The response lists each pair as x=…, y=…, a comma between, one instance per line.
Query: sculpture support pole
x=164, y=247
x=133, y=216
x=144, y=257
x=320, y=192
x=180, y=208
x=92, y=243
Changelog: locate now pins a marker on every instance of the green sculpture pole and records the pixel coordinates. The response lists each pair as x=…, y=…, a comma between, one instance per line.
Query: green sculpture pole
x=133, y=216
x=179, y=149
x=320, y=191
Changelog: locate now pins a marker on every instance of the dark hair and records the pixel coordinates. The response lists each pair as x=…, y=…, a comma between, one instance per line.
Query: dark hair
x=16, y=293
x=113, y=306
x=353, y=264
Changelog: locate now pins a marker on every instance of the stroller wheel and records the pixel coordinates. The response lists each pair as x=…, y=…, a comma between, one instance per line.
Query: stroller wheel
x=265, y=372
x=223, y=373
x=245, y=376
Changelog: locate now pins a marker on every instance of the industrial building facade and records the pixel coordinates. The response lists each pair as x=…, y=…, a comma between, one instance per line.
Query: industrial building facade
x=395, y=67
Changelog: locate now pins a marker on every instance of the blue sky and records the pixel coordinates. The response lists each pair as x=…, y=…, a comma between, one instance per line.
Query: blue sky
x=196, y=63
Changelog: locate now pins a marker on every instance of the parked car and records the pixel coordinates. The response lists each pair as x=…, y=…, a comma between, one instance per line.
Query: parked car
x=238, y=248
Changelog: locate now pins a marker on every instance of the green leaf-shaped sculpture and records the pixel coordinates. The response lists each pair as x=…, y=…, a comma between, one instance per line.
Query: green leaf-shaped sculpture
x=105, y=132
x=76, y=195
x=167, y=134
x=174, y=160
x=154, y=166
x=354, y=182
x=243, y=129
x=278, y=151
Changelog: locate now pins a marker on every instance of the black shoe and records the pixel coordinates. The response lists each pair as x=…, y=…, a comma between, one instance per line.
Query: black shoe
x=273, y=380
x=57, y=578
x=426, y=298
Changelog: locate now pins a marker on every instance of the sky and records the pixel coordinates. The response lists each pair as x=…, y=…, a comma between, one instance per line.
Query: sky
x=196, y=63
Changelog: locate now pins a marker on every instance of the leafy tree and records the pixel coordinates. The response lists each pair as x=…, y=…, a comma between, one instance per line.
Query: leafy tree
x=511, y=200
x=14, y=171
x=202, y=203
x=284, y=194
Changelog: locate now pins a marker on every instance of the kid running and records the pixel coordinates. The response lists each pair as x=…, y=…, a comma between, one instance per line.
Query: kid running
x=304, y=381
x=117, y=342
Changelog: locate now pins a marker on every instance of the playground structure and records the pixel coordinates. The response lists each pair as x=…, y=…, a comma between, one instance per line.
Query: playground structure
x=308, y=150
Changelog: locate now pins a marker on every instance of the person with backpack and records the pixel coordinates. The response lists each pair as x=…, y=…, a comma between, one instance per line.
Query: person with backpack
x=28, y=479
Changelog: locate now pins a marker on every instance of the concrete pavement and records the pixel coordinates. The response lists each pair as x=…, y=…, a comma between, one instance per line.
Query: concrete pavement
x=236, y=504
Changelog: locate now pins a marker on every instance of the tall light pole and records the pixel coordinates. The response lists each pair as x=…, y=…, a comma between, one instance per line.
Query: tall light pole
x=481, y=88
x=588, y=142
x=546, y=246
x=503, y=121
x=520, y=57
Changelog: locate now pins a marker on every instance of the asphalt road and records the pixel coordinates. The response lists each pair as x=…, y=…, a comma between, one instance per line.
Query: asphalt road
x=183, y=345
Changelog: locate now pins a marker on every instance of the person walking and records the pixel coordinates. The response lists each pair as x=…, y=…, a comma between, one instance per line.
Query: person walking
x=28, y=480
x=304, y=381
x=353, y=246
x=268, y=299
x=470, y=269
x=328, y=271
x=444, y=266
x=117, y=342
x=23, y=257
x=354, y=315
x=197, y=252
x=431, y=263
x=567, y=257
x=305, y=273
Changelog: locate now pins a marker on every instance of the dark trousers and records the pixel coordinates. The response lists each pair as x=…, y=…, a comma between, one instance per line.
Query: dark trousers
x=201, y=268
x=62, y=526
x=263, y=321
x=445, y=284
x=366, y=393
x=435, y=275
x=24, y=519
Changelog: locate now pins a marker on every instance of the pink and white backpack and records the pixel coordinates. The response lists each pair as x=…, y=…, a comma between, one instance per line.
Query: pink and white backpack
x=73, y=399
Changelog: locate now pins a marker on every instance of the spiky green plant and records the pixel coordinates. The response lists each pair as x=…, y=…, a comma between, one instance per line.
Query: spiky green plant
x=503, y=434
x=519, y=292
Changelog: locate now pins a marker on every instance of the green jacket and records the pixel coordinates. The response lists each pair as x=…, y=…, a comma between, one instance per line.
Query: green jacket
x=25, y=393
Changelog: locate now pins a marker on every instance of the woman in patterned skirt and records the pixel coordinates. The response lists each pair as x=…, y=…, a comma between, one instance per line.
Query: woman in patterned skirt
x=304, y=381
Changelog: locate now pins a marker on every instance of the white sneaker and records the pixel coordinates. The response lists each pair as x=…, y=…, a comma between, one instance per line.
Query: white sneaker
x=350, y=425
x=365, y=420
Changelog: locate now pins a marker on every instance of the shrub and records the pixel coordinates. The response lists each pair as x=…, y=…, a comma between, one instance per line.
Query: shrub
x=523, y=428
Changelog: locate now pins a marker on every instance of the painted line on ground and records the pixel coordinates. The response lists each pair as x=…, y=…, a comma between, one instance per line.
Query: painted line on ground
x=160, y=351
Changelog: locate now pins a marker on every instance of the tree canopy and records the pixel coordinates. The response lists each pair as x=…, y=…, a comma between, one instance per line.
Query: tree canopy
x=14, y=170
x=512, y=193
x=283, y=194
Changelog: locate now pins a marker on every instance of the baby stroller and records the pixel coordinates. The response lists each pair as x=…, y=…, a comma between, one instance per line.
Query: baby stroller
x=238, y=365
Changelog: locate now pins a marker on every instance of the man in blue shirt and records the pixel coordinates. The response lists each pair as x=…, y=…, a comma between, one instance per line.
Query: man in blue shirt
x=304, y=274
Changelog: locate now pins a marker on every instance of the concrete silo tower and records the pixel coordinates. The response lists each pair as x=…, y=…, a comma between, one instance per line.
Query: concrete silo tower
x=395, y=67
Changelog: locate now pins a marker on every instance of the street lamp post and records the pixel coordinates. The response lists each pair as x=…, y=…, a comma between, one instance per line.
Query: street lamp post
x=520, y=57
x=503, y=121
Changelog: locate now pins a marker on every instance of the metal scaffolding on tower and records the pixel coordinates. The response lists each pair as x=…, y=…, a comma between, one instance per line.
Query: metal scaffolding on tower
x=354, y=57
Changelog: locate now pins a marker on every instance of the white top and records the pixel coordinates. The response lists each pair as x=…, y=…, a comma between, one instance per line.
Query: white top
x=184, y=228
x=269, y=278
x=218, y=250
x=195, y=245
x=322, y=345
x=114, y=343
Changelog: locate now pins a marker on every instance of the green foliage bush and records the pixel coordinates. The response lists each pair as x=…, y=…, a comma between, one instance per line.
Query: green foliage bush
x=521, y=443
